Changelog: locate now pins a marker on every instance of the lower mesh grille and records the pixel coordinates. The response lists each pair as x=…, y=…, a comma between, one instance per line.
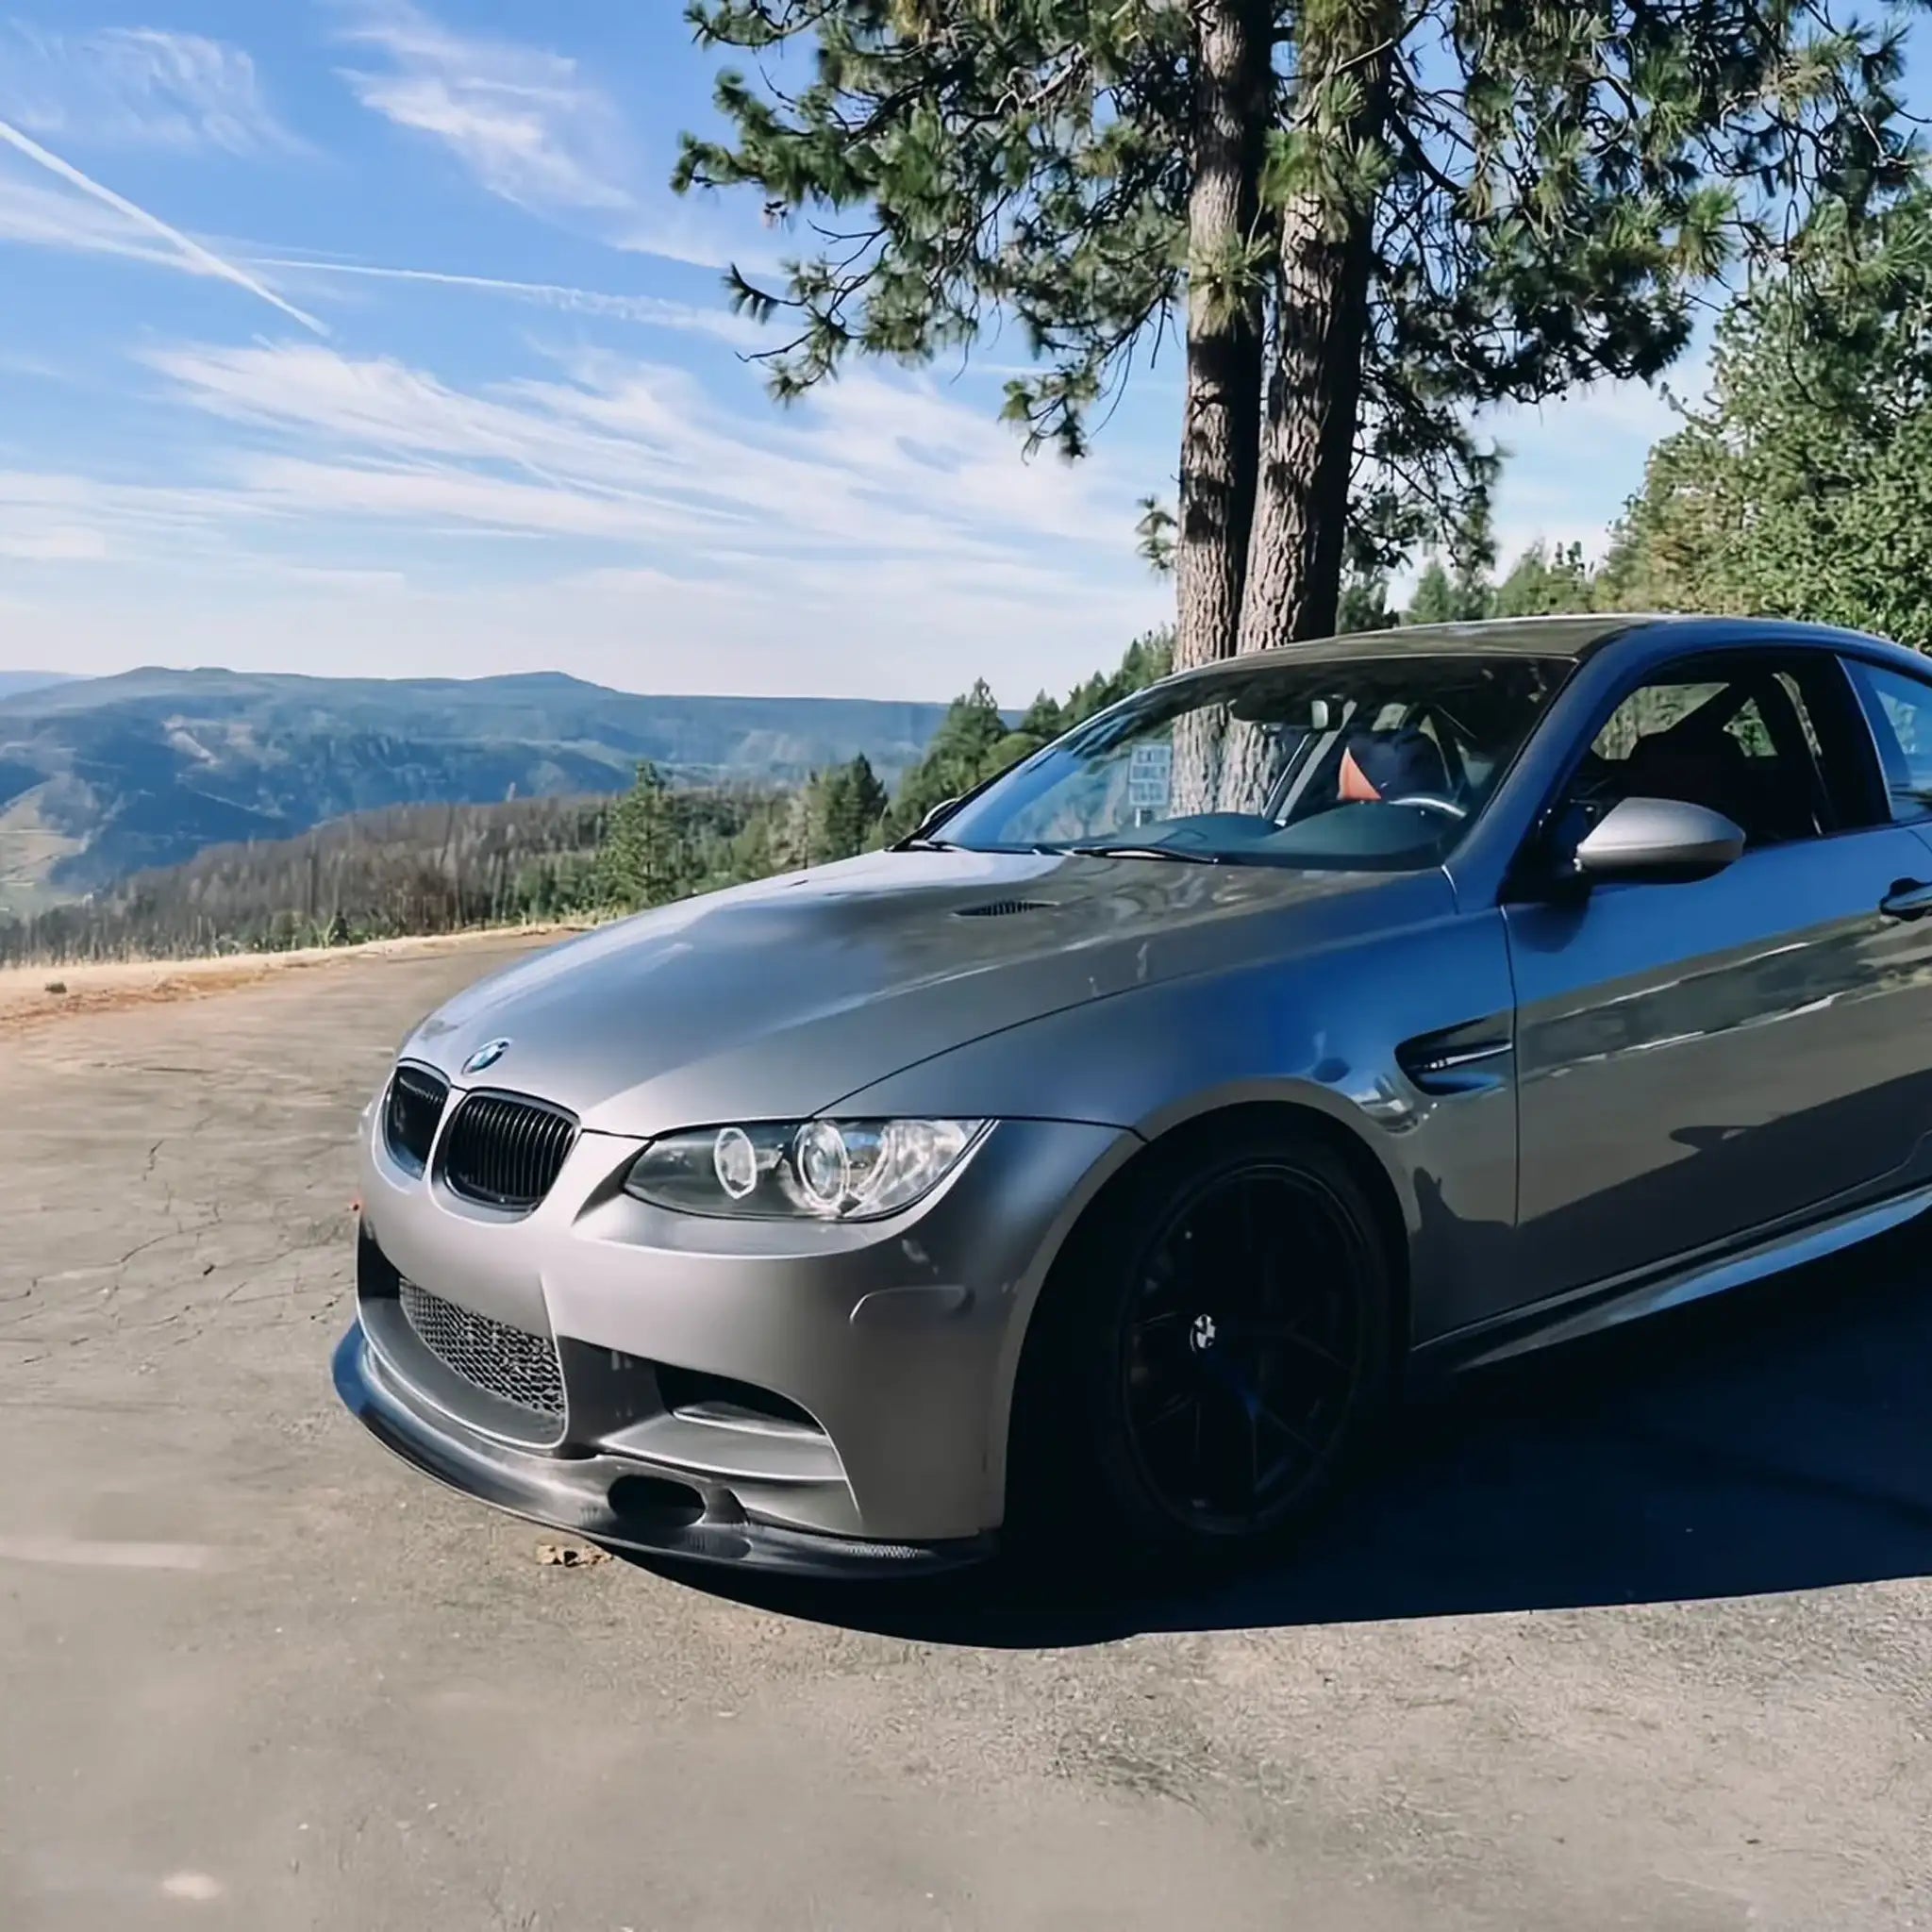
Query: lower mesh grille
x=508, y=1363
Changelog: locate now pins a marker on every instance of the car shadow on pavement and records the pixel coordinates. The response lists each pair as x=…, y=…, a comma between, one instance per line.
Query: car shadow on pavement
x=1779, y=1438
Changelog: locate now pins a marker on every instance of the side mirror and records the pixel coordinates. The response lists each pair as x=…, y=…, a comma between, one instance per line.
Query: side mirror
x=933, y=816
x=1658, y=839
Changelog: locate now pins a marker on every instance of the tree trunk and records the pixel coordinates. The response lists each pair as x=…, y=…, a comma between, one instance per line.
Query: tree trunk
x=1314, y=383
x=1221, y=423
x=1221, y=418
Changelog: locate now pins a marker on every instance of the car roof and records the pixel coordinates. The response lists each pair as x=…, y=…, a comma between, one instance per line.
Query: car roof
x=1527, y=637
x=1572, y=637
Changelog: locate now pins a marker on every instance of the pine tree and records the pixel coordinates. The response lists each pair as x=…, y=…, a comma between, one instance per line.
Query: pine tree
x=789, y=841
x=1804, y=487
x=845, y=808
x=871, y=801
x=964, y=750
x=1364, y=603
x=634, y=867
x=1373, y=216
x=1441, y=598
x=1545, y=584
x=974, y=743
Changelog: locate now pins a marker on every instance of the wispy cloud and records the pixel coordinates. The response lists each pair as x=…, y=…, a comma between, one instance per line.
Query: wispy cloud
x=44, y=541
x=524, y=121
x=53, y=517
x=533, y=128
x=632, y=453
x=681, y=233
x=882, y=536
x=137, y=233
x=651, y=311
x=136, y=87
x=24, y=366
x=878, y=488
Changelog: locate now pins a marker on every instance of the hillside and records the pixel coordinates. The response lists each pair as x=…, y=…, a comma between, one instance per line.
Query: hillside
x=12, y=683
x=405, y=869
x=103, y=776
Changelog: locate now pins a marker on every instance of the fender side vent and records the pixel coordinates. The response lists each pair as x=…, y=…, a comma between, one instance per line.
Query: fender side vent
x=1003, y=909
x=1460, y=1059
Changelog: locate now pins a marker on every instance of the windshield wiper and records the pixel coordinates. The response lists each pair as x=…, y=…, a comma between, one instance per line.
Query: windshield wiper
x=915, y=843
x=1177, y=854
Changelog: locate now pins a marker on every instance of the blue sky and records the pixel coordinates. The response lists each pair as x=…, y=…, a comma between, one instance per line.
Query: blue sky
x=358, y=337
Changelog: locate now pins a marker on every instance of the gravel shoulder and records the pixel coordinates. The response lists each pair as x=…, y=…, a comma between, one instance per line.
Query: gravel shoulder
x=1644, y=1640
x=40, y=995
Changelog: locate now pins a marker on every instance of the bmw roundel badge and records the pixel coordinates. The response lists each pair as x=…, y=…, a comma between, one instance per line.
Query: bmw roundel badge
x=486, y=1056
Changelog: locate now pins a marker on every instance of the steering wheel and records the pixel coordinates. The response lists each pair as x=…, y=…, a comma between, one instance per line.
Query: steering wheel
x=1429, y=802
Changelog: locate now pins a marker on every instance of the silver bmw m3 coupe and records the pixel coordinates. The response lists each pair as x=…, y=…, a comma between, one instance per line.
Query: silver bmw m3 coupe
x=1104, y=1160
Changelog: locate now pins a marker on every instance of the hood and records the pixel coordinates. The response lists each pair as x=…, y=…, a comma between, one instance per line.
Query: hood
x=774, y=1000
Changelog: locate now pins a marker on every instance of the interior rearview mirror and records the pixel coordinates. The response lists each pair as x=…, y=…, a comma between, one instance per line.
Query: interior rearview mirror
x=1662, y=838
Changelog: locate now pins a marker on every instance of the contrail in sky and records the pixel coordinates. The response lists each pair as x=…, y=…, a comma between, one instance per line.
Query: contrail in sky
x=646, y=309
x=186, y=246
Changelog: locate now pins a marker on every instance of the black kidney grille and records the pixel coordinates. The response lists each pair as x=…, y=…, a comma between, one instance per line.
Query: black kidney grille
x=505, y=1152
x=411, y=1113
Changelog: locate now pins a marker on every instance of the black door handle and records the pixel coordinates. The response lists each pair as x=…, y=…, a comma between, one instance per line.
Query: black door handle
x=1908, y=899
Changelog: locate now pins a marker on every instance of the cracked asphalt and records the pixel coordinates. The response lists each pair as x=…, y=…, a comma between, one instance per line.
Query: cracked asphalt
x=1641, y=1638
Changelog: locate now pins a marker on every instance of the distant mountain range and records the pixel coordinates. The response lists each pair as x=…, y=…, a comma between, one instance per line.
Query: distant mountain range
x=13, y=682
x=102, y=776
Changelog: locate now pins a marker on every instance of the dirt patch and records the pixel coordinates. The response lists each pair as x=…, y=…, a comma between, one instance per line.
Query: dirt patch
x=33, y=996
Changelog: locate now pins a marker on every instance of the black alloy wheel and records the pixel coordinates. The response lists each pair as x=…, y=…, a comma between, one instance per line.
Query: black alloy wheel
x=1227, y=1334
x=1243, y=1346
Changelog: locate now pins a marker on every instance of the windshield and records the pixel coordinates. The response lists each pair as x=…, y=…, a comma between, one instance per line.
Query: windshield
x=1380, y=765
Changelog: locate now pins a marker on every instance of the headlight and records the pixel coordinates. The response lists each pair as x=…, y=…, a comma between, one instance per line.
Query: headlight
x=819, y=1170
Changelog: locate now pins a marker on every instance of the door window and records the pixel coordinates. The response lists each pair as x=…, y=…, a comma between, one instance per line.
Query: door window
x=1739, y=735
x=1900, y=711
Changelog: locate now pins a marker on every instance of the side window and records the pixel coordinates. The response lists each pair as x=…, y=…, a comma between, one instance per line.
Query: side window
x=1648, y=711
x=1657, y=707
x=1899, y=710
x=1771, y=743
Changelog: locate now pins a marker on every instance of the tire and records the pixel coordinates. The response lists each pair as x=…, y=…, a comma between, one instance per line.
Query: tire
x=1211, y=1357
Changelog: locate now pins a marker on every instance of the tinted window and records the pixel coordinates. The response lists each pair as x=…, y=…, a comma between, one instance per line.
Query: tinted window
x=1740, y=735
x=1900, y=710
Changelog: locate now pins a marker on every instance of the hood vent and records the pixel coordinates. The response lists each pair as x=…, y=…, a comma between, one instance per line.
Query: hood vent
x=1003, y=909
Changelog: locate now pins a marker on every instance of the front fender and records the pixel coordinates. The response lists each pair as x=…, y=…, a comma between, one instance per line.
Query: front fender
x=1320, y=1032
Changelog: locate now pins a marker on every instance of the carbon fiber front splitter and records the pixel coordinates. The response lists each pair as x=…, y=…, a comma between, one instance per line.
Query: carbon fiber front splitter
x=614, y=1501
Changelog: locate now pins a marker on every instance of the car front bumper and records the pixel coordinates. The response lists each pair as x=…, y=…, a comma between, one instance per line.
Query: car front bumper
x=876, y=1362
x=613, y=1500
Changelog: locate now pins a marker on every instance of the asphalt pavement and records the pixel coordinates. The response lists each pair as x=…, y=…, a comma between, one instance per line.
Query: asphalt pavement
x=1639, y=1638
